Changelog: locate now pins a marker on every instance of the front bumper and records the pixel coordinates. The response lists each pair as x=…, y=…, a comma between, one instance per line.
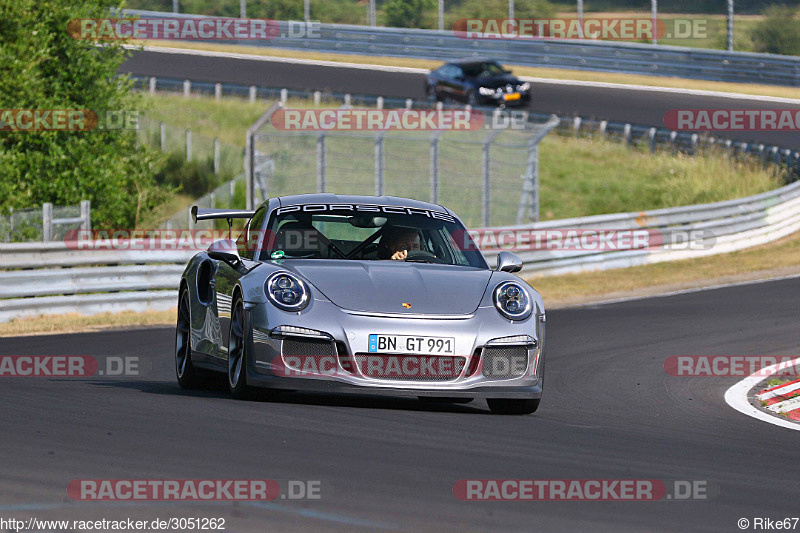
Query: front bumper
x=348, y=335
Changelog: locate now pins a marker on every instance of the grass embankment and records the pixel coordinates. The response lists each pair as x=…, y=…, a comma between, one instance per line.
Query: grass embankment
x=578, y=176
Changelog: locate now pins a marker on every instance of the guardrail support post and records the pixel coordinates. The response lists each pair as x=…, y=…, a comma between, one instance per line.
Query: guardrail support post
x=252, y=92
x=216, y=156
x=163, y=128
x=435, y=166
x=47, y=222
x=652, y=136
x=486, y=211
x=627, y=133
x=379, y=102
x=379, y=164
x=576, y=125
x=152, y=85
x=86, y=215
x=217, y=91
x=321, y=185
x=187, y=88
x=284, y=96
x=603, y=126
x=673, y=137
x=347, y=99
x=188, y=145
x=409, y=103
x=317, y=98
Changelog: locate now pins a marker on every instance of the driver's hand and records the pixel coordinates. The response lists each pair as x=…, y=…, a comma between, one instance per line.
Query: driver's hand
x=400, y=256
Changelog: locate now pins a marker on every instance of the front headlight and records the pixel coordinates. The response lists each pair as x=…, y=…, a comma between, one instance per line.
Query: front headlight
x=524, y=87
x=485, y=91
x=512, y=301
x=286, y=291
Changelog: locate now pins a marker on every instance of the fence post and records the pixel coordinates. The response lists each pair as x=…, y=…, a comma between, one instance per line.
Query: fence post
x=152, y=85
x=47, y=222
x=188, y=145
x=86, y=215
x=487, y=192
x=187, y=88
x=321, y=185
x=217, y=91
x=435, y=166
x=252, y=93
x=379, y=164
x=216, y=156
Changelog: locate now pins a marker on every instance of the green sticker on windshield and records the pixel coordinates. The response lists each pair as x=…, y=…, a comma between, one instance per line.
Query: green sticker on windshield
x=277, y=254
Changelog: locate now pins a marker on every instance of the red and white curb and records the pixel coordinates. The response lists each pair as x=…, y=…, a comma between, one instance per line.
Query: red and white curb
x=782, y=399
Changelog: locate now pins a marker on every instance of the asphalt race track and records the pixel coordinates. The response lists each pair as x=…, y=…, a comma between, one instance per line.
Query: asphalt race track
x=610, y=411
x=622, y=105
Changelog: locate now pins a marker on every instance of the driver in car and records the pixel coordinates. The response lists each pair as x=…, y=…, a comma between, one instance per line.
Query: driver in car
x=397, y=242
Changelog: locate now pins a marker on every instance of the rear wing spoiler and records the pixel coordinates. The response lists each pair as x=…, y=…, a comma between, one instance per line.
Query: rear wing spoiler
x=202, y=213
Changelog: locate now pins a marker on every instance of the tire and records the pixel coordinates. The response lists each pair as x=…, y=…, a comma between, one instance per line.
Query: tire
x=503, y=406
x=185, y=371
x=237, y=354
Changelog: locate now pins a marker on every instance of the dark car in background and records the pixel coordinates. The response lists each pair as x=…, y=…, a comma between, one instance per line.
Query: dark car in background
x=477, y=81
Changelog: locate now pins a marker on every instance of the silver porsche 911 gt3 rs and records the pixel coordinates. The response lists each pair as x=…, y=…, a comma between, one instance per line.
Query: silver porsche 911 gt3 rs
x=364, y=294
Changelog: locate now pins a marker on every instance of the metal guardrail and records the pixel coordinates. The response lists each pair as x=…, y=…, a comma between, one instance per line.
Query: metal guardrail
x=602, y=56
x=34, y=284
x=56, y=278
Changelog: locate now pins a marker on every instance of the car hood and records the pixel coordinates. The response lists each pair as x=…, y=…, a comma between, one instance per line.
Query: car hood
x=497, y=81
x=383, y=286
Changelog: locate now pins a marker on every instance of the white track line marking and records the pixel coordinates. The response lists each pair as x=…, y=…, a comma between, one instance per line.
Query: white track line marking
x=410, y=70
x=736, y=397
x=674, y=293
x=273, y=59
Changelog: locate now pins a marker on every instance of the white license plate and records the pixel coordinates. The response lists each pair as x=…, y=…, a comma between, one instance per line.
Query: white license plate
x=412, y=344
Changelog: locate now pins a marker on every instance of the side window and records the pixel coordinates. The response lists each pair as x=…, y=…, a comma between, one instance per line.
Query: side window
x=248, y=240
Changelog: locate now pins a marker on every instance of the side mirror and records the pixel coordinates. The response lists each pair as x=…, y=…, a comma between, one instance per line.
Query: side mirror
x=225, y=250
x=508, y=262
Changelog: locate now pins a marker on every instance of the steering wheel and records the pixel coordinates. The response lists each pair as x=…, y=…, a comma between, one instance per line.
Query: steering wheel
x=421, y=256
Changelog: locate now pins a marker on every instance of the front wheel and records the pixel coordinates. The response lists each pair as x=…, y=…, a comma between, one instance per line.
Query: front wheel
x=237, y=354
x=504, y=406
x=184, y=369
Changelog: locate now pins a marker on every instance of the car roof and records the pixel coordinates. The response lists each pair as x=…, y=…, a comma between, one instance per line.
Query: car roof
x=329, y=198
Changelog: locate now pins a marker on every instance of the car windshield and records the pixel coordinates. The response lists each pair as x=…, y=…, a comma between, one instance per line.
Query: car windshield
x=482, y=70
x=368, y=232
